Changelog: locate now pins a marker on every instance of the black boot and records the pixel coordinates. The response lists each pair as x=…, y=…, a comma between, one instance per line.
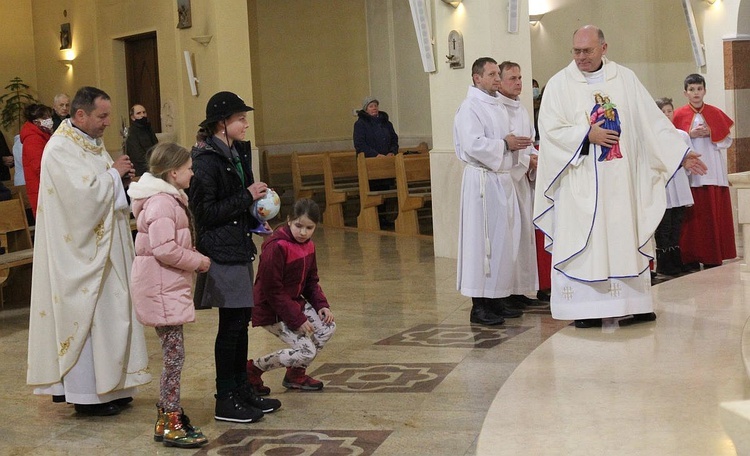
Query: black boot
x=481, y=315
x=502, y=308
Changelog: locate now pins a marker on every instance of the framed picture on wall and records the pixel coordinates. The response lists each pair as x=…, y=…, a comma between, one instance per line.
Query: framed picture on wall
x=66, y=40
x=184, y=15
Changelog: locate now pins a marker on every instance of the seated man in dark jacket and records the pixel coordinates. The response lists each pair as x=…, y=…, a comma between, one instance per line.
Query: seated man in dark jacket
x=373, y=132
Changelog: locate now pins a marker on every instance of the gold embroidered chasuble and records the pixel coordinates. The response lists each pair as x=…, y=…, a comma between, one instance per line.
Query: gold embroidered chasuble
x=83, y=251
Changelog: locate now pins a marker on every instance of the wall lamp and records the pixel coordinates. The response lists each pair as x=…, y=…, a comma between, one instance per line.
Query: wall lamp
x=67, y=62
x=535, y=18
x=453, y=3
x=710, y=2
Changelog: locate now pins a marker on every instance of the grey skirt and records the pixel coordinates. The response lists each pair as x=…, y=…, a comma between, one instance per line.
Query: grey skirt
x=225, y=285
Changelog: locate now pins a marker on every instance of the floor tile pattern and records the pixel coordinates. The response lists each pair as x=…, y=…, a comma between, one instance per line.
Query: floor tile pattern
x=383, y=378
x=458, y=336
x=295, y=443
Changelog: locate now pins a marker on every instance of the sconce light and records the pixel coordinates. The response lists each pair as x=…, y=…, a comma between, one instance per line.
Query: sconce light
x=710, y=2
x=67, y=62
x=535, y=18
x=453, y=3
x=203, y=39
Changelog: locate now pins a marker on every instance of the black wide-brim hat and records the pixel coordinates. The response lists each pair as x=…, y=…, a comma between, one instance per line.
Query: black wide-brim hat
x=222, y=105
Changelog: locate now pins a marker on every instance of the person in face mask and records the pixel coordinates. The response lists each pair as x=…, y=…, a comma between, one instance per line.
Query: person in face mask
x=34, y=136
x=140, y=140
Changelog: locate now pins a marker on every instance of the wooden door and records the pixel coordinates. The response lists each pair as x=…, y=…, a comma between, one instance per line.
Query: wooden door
x=142, y=71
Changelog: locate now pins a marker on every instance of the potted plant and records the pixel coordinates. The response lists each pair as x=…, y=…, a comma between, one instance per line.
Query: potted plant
x=13, y=101
x=16, y=98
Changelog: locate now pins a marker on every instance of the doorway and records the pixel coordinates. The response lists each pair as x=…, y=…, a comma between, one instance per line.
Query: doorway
x=142, y=73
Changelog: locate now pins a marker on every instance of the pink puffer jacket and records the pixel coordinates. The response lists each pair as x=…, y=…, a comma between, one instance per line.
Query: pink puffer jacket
x=162, y=275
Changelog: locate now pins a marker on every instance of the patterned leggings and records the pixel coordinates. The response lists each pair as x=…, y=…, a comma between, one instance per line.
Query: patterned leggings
x=304, y=348
x=173, y=354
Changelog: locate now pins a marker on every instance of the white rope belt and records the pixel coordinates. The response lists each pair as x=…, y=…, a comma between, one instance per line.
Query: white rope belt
x=482, y=183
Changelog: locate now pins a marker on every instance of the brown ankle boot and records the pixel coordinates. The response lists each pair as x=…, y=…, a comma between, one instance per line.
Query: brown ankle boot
x=296, y=378
x=253, y=378
x=175, y=434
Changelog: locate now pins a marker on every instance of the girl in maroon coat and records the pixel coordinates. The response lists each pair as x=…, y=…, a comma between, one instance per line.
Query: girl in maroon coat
x=289, y=302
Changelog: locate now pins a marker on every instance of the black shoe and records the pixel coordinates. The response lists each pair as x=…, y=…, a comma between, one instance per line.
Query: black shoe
x=543, y=295
x=589, y=323
x=517, y=302
x=231, y=407
x=637, y=318
x=107, y=409
x=122, y=402
x=58, y=398
x=481, y=315
x=501, y=308
x=265, y=404
x=650, y=316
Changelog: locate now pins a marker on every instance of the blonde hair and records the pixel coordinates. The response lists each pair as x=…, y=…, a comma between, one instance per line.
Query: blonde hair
x=164, y=157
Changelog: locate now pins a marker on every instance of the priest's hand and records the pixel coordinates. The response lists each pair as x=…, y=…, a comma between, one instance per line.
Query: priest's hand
x=602, y=136
x=694, y=164
x=533, y=160
x=124, y=167
x=518, y=142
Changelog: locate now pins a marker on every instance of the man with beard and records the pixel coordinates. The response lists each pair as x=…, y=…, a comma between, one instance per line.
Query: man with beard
x=140, y=140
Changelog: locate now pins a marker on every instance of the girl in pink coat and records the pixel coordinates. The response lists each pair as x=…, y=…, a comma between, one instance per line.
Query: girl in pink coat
x=162, y=277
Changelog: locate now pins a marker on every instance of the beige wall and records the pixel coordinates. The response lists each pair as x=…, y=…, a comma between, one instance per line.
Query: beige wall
x=312, y=68
x=655, y=46
x=17, y=52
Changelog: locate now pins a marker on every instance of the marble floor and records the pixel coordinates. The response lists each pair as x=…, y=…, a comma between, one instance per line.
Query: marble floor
x=405, y=374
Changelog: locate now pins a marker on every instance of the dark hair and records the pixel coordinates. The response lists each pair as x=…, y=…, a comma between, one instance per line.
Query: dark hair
x=85, y=99
x=36, y=111
x=508, y=65
x=306, y=207
x=694, y=79
x=478, y=66
x=664, y=101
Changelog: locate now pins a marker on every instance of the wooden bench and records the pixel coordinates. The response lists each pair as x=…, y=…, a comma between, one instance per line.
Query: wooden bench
x=369, y=169
x=307, y=174
x=276, y=171
x=341, y=182
x=15, y=238
x=421, y=148
x=413, y=189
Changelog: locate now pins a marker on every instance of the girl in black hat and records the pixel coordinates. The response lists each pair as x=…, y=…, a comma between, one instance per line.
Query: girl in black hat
x=221, y=194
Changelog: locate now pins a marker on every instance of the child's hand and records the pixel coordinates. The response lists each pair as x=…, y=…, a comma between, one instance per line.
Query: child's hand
x=205, y=264
x=306, y=328
x=258, y=190
x=326, y=316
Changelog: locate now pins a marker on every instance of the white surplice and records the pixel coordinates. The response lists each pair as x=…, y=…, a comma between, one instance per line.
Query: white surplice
x=678, y=188
x=519, y=123
x=84, y=339
x=713, y=154
x=599, y=216
x=490, y=217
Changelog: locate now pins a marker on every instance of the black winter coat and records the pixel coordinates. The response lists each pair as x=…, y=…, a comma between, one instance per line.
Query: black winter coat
x=374, y=135
x=220, y=204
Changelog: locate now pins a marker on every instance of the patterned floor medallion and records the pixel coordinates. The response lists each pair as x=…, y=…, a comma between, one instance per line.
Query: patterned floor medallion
x=455, y=336
x=297, y=443
x=382, y=378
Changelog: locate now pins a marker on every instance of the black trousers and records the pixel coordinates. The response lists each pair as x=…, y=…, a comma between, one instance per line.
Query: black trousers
x=230, y=349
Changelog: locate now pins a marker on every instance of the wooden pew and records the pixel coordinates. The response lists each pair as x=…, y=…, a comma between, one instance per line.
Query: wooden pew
x=15, y=238
x=276, y=171
x=413, y=189
x=367, y=169
x=341, y=182
x=307, y=174
x=421, y=148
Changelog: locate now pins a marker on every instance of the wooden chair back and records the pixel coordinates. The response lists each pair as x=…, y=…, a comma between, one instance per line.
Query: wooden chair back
x=14, y=227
